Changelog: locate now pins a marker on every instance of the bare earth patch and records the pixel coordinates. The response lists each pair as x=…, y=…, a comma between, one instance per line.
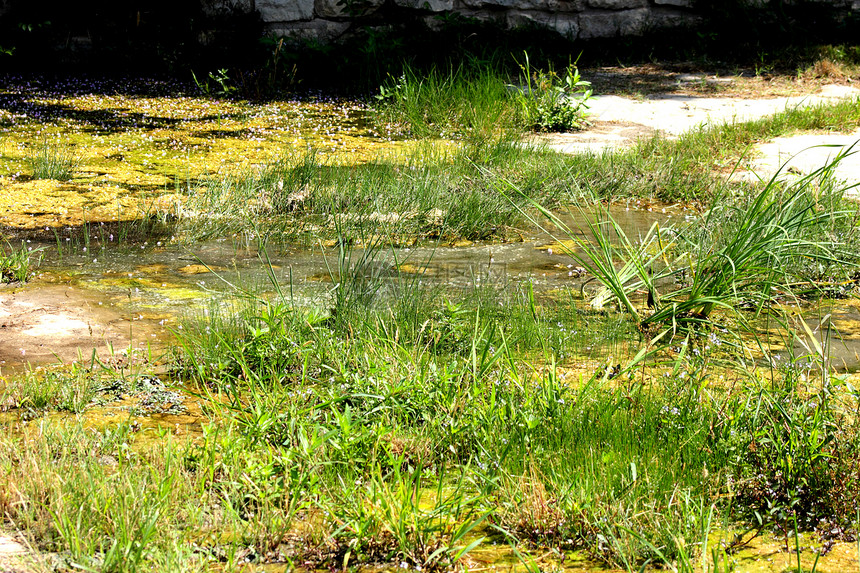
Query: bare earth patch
x=60, y=323
x=801, y=155
x=620, y=122
x=12, y=555
x=685, y=78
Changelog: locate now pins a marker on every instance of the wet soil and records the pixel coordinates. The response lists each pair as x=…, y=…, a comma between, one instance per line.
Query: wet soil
x=58, y=323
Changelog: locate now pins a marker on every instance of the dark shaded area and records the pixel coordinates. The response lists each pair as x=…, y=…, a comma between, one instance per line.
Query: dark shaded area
x=105, y=37
x=776, y=37
x=116, y=38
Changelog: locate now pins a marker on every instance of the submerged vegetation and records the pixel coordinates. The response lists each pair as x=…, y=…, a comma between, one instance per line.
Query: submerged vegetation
x=670, y=410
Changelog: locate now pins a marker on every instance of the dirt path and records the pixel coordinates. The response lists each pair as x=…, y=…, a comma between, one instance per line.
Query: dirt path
x=802, y=154
x=621, y=121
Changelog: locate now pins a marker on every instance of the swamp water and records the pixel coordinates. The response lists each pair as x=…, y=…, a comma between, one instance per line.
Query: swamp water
x=133, y=152
x=134, y=295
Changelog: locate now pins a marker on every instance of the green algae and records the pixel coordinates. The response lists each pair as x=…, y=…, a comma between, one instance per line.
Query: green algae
x=135, y=154
x=159, y=294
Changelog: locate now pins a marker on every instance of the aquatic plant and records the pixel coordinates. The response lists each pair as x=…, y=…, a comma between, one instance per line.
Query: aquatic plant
x=16, y=264
x=53, y=161
x=220, y=78
x=376, y=417
x=430, y=192
x=733, y=259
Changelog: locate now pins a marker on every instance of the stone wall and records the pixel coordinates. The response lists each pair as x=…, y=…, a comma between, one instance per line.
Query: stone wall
x=326, y=21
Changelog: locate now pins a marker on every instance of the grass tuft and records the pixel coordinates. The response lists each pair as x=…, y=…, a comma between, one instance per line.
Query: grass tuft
x=16, y=264
x=52, y=161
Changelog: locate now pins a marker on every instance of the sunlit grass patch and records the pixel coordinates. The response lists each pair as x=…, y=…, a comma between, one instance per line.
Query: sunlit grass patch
x=462, y=100
x=403, y=423
x=422, y=194
x=383, y=418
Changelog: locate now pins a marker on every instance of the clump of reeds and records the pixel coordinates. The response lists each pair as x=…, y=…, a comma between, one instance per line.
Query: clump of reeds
x=53, y=161
x=15, y=264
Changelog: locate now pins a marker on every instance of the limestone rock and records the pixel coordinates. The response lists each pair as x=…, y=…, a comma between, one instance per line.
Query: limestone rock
x=611, y=24
x=668, y=18
x=548, y=5
x=617, y=4
x=214, y=7
x=319, y=30
x=481, y=16
x=285, y=10
x=678, y=3
x=346, y=9
x=431, y=5
x=563, y=24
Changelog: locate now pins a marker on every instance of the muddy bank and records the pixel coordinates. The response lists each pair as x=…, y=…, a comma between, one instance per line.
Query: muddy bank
x=61, y=323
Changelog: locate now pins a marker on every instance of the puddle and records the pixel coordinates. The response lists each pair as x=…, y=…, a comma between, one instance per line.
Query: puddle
x=829, y=334
x=50, y=323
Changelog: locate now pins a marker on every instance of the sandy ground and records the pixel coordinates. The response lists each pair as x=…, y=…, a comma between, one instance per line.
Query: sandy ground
x=620, y=121
x=803, y=154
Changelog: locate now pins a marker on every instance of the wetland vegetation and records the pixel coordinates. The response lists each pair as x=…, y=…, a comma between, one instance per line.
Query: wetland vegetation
x=380, y=414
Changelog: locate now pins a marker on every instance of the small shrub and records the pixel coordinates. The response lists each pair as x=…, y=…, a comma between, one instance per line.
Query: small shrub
x=553, y=101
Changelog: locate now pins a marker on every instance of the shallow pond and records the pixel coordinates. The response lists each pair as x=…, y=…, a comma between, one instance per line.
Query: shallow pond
x=91, y=297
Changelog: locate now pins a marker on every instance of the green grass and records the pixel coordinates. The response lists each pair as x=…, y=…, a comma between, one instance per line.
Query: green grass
x=430, y=193
x=368, y=428
x=355, y=441
x=553, y=101
x=752, y=256
x=388, y=420
x=16, y=264
x=463, y=100
x=481, y=99
x=453, y=192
